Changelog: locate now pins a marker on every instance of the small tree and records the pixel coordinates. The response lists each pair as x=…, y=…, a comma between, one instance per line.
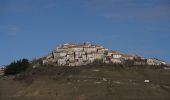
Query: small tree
x=17, y=67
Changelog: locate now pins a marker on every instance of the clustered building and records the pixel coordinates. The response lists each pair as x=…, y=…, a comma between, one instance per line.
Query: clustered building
x=155, y=61
x=76, y=54
x=83, y=54
x=2, y=69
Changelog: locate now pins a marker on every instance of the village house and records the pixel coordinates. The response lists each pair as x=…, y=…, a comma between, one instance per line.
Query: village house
x=155, y=61
x=114, y=57
x=116, y=61
x=117, y=57
x=114, y=54
x=2, y=69
x=127, y=57
x=75, y=54
x=49, y=59
x=140, y=61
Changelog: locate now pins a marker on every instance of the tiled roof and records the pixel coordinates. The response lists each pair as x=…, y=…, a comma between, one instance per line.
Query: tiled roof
x=115, y=52
x=126, y=55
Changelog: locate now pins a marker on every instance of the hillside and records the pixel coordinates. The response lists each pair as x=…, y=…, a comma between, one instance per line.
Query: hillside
x=87, y=83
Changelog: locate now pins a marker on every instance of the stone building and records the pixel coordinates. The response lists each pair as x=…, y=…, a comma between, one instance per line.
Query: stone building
x=155, y=61
x=2, y=71
x=140, y=61
x=113, y=57
x=75, y=54
x=117, y=57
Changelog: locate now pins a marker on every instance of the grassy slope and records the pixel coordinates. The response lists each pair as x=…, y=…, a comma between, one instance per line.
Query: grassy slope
x=88, y=84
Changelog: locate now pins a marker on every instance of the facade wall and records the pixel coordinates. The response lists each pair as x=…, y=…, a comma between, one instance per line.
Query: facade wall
x=141, y=62
x=117, y=56
x=77, y=49
x=113, y=60
x=155, y=62
x=61, y=62
x=1, y=71
x=74, y=55
x=127, y=58
x=89, y=50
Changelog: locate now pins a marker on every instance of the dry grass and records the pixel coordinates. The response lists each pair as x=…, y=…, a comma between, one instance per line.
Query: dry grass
x=87, y=83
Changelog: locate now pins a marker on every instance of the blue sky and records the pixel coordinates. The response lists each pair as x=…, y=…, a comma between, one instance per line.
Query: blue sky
x=33, y=28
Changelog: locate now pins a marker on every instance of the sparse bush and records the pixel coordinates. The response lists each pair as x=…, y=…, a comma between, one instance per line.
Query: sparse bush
x=97, y=62
x=17, y=67
x=24, y=77
x=39, y=61
x=128, y=63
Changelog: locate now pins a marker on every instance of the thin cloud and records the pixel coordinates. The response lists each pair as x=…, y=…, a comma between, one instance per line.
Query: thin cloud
x=51, y=5
x=17, y=6
x=131, y=9
x=13, y=30
x=25, y=5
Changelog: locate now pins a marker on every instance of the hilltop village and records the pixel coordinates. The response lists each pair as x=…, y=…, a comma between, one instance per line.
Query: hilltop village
x=86, y=53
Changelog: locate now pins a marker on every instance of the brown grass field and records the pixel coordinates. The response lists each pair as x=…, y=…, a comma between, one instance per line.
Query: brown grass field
x=87, y=83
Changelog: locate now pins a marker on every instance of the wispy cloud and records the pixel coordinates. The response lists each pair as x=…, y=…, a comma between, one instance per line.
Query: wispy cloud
x=25, y=5
x=16, y=6
x=50, y=5
x=148, y=51
x=131, y=9
x=12, y=30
